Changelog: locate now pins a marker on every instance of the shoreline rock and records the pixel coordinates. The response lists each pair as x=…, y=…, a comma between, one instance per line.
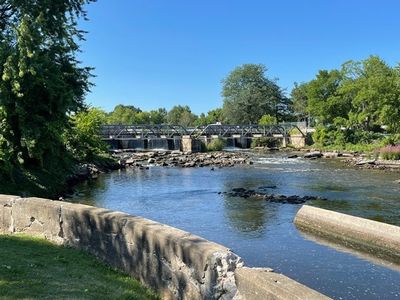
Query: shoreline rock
x=87, y=171
x=376, y=164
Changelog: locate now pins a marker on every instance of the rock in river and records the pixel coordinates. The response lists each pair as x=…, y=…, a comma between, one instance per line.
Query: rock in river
x=248, y=193
x=314, y=154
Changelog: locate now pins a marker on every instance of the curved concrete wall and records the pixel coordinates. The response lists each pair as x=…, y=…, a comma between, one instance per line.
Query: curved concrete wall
x=376, y=238
x=177, y=264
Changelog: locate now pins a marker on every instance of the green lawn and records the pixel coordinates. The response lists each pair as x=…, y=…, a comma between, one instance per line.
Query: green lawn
x=33, y=268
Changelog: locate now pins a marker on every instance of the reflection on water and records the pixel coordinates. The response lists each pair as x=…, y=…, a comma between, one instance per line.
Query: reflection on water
x=373, y=257
x=263, y=233
x=249, y=217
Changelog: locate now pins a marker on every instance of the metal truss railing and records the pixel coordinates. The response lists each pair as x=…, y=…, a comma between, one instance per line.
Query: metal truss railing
x=170, y=131
x=142, y=131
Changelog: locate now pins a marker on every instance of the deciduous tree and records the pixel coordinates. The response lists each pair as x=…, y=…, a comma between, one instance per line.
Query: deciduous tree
x=249, y=94
x=41, y=81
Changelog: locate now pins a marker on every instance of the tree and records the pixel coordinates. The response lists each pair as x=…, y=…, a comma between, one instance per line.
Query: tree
x=123, y=115
x=267, y=120
x=212, y=117
x=299, y=100
x=41, y=80
x=215, y=116
x=324, y=101
x=181, y=115
x=82, y=140
x=249, y=94
x=158, y=116
x=373, y=89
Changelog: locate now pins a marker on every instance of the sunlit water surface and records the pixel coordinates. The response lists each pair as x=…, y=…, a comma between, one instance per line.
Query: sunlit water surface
x=262, y=233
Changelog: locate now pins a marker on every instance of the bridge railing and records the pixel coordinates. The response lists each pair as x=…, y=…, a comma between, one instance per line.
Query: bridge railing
x=142, y=131
x=170, y=131
x=244, y=130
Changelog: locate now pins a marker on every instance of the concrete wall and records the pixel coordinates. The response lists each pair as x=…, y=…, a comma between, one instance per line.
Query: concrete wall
x=298, y=141
x=262, y=284
x=376, y=238
x=177, y=264
x=190, y=144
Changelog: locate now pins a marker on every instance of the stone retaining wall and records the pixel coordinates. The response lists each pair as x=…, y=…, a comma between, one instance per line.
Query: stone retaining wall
x=298, y=141
x=376, y=238
x=177, y=264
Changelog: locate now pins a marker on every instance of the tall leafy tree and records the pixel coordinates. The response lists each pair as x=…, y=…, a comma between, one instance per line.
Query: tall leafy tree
x=123, y=115
x=324, y=101
x=299, y=100
x=212, y=117
x=158, y=116
x=373, y=87
x=249, y=94
x=181, y=115
x=41, y=81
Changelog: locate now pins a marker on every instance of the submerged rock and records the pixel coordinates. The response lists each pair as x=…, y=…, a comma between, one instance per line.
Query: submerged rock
x=248, y=193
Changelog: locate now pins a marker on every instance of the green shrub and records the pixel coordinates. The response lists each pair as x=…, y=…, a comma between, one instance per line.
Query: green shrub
x=265, y=141
x=346, y=139
x=267, y=120
x=216, y=145
x=392, y=140
x=82, y=139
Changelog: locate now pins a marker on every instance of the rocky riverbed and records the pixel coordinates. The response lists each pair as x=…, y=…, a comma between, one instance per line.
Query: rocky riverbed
x=143, y=160
x=261, y=194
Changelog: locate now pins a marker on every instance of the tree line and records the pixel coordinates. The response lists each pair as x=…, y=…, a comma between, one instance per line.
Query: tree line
x=352, y=104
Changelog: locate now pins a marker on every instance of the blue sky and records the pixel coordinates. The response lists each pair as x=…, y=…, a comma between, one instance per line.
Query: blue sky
x=158, y=53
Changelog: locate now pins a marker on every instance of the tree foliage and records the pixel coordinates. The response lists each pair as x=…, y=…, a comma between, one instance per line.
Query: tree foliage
x=123, y=115
x=181, y=115
x=41, y=79
x=82, y=139
x=213, y=116
x=352, y=104
x=299, y=100
x=42, y=84
x=324, y=101
x=129, y=115
x=374, y=90
x=267, y=120
x=248, y=95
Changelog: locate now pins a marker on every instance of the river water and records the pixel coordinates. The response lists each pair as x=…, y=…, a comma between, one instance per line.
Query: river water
x=262, y=233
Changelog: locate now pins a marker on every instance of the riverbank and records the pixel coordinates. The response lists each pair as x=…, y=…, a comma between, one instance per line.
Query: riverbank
x=361, y=160
x=39, y=182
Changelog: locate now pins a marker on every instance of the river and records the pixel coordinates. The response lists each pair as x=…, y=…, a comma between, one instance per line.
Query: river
x=262, y=233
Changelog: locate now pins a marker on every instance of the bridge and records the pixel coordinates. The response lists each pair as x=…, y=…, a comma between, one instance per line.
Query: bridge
x=171, y=137
x=120, y=132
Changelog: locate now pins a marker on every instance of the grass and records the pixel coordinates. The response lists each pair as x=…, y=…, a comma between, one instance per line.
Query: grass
x=33, y=268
